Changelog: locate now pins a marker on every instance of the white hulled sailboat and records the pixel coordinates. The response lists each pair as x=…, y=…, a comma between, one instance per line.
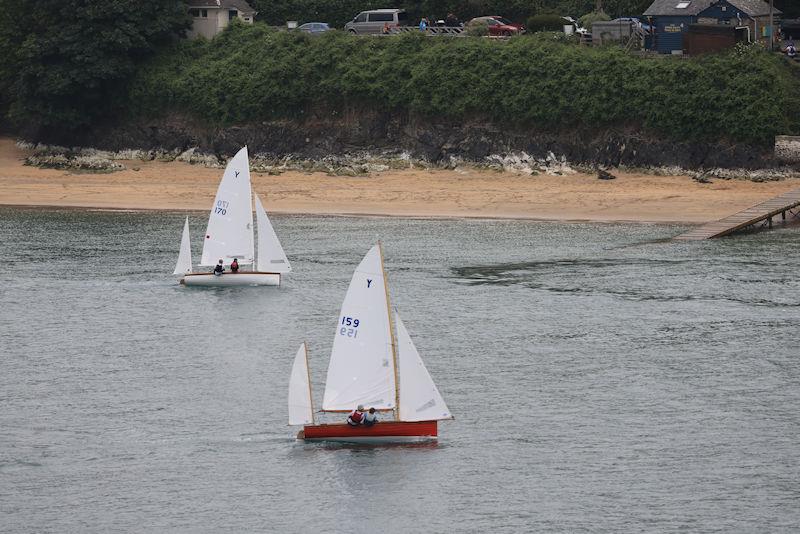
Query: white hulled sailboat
x=230, y=234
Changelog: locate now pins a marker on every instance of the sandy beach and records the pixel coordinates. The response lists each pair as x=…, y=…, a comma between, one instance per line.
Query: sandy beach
x=419, y=193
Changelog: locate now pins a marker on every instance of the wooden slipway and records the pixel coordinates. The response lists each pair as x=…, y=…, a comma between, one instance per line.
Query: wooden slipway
x=760, y=213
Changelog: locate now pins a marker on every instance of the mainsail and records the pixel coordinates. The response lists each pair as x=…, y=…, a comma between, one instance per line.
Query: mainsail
x=230, y=225
x=184, y=264
x=271, y=257
x=420, y=400
x=361, y=370
x=301, y=411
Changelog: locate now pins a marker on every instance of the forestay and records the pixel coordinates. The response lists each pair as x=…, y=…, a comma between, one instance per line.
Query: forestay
x=301, y=411
x=271, y=257
x=420, y=400
x=184, y=264
x=230, y=225
x=361, y=370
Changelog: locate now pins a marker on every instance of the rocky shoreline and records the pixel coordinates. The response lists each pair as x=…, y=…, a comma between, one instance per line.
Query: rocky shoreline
x=360, y=142
x=363, y=163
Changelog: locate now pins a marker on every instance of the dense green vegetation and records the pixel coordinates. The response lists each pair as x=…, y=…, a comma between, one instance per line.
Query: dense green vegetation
x=250, y=73
x=790, y=8
x=545, y=23
x=64, y=62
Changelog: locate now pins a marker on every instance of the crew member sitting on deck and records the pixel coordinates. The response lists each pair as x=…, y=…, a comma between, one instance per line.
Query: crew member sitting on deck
x=234, y=266
x=356, y=417
x=219, y=269
x=370, y=418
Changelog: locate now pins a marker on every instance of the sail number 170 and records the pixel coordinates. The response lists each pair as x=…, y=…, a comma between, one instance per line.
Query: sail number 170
x=349, y=327
x=221, y=208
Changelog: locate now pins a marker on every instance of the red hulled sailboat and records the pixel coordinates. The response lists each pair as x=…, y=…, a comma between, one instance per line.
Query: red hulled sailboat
x=373, y=363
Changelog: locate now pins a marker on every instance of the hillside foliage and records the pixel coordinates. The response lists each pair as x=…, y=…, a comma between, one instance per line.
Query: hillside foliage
x=251, y=73
x=63, y=62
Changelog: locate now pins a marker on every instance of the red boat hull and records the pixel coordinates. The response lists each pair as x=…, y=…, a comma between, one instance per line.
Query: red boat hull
x=381, y=432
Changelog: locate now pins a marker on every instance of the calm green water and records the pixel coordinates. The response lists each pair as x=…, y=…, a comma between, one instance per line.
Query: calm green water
x=603, y=380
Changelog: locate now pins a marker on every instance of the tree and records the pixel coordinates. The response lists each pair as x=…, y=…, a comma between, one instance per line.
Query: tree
x=790, y=8
x=63, y=62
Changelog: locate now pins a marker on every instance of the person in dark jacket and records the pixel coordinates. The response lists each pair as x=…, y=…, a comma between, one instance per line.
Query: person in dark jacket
x=219, y=269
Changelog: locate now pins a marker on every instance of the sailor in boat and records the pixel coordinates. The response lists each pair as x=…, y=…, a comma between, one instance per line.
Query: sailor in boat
x=356, y=417
x=370, y=418
x=219, y=269
x=235, y=266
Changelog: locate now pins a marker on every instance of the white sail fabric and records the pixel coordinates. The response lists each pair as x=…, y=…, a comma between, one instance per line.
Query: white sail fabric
x=184, y=264
x=420, y=400
x=361, y=370
x=301, y=411
x=230, y=225
x=271, y=257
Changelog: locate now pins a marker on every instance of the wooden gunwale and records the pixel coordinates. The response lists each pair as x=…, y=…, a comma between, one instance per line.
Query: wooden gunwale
x=228, y=272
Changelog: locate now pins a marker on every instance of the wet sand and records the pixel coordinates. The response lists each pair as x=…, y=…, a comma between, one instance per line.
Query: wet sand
x=418, y=193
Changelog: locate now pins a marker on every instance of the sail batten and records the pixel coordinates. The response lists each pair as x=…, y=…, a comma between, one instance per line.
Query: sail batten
x=271, y=257
x=361, y=369
x=229, y=233
x=184, y=264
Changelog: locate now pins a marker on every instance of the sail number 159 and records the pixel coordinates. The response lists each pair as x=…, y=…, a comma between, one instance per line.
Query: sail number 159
x=349, y=327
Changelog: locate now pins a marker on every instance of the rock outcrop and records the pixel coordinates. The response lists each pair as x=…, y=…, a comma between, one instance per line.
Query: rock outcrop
x=435, y=140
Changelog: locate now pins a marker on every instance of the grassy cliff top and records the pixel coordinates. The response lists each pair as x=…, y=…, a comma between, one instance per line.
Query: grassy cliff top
x=251, y=73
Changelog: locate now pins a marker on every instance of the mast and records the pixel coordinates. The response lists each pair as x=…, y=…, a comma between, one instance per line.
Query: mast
x=391, y=337
x=253, y=225
x=310, y=397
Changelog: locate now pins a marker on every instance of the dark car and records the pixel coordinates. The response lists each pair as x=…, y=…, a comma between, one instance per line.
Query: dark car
x=498, y=25
x=314, y=27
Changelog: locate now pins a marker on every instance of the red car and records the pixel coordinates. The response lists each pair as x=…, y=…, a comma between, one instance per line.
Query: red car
x=498, y=25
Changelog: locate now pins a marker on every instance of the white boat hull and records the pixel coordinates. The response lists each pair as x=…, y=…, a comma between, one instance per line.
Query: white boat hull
x=232, y=280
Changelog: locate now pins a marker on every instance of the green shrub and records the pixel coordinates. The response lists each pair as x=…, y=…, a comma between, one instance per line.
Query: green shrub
x=588, y=19
x=477, y=29
x=251, y=73
x=545, y=23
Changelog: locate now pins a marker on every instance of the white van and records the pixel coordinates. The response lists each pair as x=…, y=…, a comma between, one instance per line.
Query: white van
x=372, y=22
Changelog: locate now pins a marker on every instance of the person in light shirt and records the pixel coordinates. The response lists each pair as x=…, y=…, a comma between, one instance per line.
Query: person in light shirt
x=370, y=418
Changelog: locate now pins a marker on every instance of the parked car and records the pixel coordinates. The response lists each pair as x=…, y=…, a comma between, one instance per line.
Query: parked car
x=372, y=22
x=314, y=27
x=498, y=25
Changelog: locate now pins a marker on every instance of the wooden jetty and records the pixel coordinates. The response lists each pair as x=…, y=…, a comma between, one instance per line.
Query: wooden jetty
x=760, y=213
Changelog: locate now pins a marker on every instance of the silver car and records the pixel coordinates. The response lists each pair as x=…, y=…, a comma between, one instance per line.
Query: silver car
x=314, y=27
x=373, y=22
